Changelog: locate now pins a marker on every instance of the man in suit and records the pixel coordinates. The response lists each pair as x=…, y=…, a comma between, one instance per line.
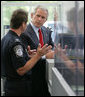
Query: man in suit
x=31, y=37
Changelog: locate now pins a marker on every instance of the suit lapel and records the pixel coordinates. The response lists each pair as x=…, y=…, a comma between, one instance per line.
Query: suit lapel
x=44, y=35
x=33, y=35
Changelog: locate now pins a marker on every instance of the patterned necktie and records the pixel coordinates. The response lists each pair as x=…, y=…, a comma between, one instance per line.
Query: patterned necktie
x=41, y=38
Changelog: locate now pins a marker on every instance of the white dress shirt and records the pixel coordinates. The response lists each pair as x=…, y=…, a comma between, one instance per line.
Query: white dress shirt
x=35, y=29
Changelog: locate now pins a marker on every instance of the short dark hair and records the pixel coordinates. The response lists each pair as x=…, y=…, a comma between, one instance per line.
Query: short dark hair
x=18, y=17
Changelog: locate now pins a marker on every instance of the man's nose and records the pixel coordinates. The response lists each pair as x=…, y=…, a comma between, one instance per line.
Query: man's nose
x=40, y=18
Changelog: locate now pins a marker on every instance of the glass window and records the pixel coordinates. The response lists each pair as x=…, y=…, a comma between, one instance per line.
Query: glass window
x=70, y=62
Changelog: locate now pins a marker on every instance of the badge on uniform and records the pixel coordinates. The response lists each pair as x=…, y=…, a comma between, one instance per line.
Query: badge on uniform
x=18, y=50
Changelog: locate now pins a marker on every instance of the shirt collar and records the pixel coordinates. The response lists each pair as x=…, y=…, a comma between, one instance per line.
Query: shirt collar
x=34, y=27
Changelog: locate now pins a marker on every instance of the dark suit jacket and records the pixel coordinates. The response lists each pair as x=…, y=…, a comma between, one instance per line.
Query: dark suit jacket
x=29, y=37
x=39, y=83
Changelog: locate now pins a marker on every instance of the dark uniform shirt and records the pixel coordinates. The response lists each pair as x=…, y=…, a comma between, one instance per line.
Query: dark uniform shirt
x=13, y=56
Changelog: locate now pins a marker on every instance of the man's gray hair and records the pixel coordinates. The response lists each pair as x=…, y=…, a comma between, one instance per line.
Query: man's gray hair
x=40, y=7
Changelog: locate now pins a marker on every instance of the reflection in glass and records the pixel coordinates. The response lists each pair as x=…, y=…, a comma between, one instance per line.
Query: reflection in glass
x=70, y=62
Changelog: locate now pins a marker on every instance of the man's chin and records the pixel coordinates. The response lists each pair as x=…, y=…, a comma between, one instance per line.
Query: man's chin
x=38, y=25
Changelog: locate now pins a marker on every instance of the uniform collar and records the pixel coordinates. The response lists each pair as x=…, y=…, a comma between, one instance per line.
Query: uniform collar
x=13, y=33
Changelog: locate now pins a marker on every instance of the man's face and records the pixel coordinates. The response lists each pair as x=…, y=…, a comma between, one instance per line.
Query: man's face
x=39, y=18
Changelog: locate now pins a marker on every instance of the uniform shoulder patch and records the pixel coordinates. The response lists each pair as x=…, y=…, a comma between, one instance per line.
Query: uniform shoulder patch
x=18, y=49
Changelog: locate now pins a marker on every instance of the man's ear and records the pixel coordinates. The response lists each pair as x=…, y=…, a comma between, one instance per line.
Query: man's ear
x=23, y=23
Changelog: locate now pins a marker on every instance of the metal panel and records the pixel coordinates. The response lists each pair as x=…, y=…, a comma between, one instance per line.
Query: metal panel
x=59, y=85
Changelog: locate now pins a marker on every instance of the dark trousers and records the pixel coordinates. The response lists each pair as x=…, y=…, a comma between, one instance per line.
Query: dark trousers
x=18, y=88
x=39, y=83
x=40, y=89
